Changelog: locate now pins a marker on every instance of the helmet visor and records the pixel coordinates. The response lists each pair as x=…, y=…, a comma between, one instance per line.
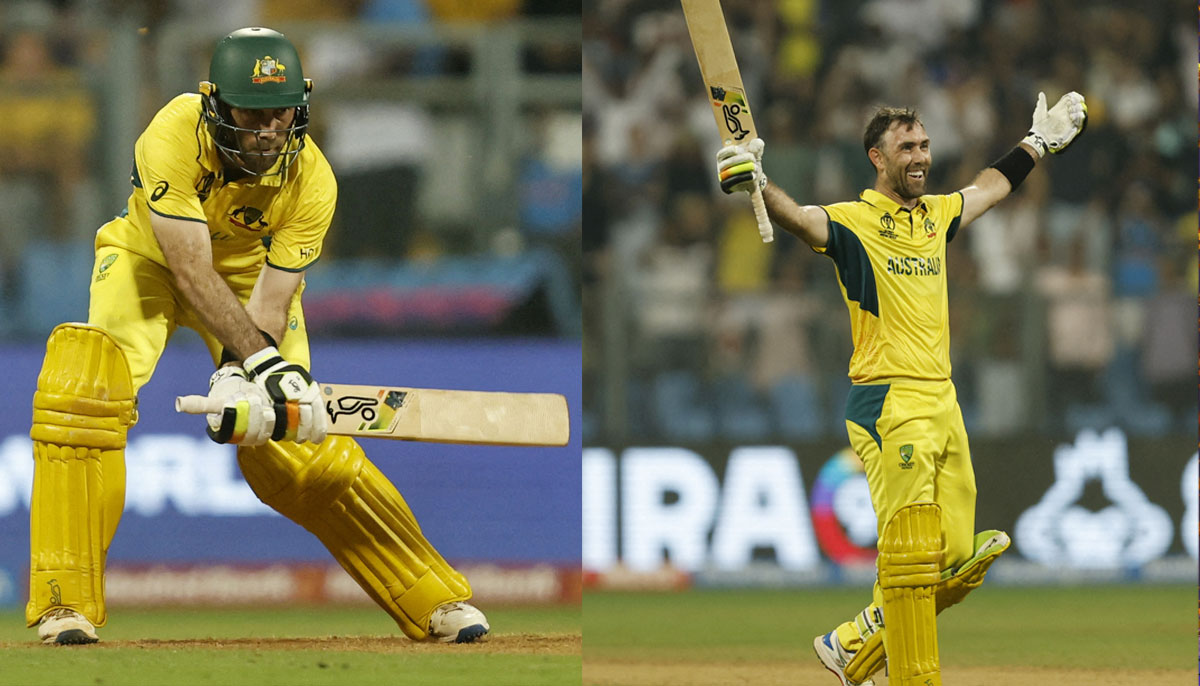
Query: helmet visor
x=261, y=152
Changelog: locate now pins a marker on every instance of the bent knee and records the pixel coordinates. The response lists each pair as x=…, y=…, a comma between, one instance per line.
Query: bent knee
x=301, y=476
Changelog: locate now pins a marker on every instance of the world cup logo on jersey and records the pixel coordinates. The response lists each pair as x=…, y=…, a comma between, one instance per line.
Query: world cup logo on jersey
x=268, y=70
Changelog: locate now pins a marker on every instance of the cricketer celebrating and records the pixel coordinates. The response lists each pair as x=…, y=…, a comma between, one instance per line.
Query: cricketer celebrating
x=902, y=414
x=231, y=201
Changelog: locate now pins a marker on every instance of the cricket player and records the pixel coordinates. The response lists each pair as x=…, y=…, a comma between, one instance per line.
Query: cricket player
x=902, y=414
x=231, y=201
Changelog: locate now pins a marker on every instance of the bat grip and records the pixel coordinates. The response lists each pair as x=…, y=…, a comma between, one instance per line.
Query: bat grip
x=198, y=404
x=760, y=214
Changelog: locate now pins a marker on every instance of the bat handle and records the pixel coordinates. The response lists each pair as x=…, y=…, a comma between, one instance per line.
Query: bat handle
x=760, y=214
x=198, y=404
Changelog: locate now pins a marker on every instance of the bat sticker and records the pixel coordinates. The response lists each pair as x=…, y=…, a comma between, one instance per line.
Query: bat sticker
x=733, y=123
x=389, y=401
x=352, y=404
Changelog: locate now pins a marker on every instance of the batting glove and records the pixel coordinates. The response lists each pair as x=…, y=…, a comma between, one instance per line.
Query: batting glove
x=248, y=416
x=740, y=169
x=299, y=411
x=1056, y=128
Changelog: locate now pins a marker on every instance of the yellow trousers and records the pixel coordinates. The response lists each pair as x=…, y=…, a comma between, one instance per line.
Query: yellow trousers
x=911, y=439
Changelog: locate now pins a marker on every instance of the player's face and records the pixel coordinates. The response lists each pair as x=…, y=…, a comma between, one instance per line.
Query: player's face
x=906, y=159
x=267, y=134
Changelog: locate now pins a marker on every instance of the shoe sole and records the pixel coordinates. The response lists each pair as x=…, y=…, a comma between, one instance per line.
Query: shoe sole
x=817, y=645
x=72, y=637
x=470, y=634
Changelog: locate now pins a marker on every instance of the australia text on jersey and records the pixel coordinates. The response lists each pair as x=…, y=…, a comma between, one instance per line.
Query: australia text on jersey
x=914, y=266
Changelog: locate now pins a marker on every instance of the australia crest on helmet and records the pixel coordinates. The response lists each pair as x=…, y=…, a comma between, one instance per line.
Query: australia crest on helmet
x=267, y=69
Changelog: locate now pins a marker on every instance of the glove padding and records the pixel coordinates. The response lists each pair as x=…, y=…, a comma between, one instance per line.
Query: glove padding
x=740, y=169
x=248, y=417
x=1056, y=128
x=299, y=412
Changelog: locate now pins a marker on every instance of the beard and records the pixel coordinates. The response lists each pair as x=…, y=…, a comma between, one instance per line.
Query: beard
x=259, y=160
x=907, y=188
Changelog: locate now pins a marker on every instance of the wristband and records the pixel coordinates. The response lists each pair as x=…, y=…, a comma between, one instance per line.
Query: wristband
x=227, y=355
x=1015, y=166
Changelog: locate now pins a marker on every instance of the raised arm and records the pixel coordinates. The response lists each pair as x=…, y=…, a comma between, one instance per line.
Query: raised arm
x=1052, y=130
x=740, y=169
x=992, y=185
x=809, y=223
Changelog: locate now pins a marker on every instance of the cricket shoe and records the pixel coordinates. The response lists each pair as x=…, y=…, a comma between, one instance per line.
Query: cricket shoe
x=830, y=652
x=63, y=626
x=457, y=622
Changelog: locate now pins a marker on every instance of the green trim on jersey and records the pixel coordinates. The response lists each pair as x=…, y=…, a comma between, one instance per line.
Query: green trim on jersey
x=175, y=216
x=293, y=269
x=957, y=219
x=864, y=405
x=853, y=267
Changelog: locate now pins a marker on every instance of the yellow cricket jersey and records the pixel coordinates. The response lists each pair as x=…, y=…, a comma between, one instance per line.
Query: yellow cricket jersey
x=177, y=173
x=891, y=265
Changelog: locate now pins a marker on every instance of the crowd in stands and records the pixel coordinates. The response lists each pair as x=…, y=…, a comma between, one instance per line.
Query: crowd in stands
x=417, y=183
x=1071, y=301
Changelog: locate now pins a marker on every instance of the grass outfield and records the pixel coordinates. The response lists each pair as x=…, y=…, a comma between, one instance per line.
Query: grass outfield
x=317, y=646
x=765, y=637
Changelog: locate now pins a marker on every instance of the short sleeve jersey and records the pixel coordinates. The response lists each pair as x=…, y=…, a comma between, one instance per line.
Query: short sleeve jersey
x=177, y=172
x=891, y=267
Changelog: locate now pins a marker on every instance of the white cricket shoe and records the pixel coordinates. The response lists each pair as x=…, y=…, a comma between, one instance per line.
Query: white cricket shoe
x=63, y=626
x=457, y=622
x=835, y=658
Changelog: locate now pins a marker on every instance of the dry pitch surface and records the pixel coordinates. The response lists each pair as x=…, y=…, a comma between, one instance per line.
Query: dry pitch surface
x=308, y=646
x=518, y=644
x=617, y=674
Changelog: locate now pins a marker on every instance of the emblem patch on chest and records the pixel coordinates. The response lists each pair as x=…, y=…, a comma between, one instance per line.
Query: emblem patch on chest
x=887, y=226
x=249, y=218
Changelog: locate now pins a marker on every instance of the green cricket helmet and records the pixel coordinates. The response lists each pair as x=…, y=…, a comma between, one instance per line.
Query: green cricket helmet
x=255, y=68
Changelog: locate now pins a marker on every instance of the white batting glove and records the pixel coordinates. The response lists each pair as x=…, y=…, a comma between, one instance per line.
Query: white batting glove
x=740, y=169
x=1056, y=128
x=248, y=416
x=299, y=410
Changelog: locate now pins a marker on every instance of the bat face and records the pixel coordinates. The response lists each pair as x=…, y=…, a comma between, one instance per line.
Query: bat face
x=445, y=416
x=719, y=69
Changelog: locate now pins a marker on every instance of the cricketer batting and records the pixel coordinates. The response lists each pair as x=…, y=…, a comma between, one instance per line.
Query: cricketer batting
x=231, y=202
x=902, y=414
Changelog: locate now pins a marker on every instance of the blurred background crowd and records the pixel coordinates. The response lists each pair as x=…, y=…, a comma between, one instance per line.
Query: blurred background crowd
x=453, y=128
x=1071, y=302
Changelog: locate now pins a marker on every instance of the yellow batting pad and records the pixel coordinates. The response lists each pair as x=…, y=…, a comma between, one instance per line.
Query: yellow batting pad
x=910, y=557
x=82, y=411
x=333, y=491
x=951, y=589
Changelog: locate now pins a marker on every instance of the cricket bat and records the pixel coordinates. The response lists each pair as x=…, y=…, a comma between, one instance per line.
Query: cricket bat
x=719, y=70
x=432, y=415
